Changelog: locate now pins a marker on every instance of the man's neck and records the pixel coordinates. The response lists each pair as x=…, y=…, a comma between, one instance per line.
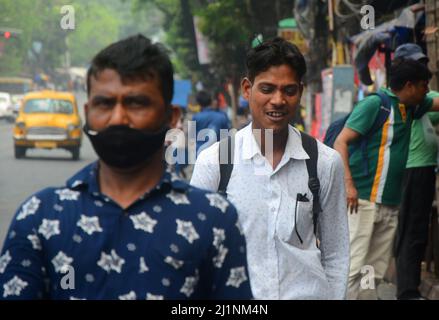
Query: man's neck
x=397, y=94
x=125, y=186
x=278, y=142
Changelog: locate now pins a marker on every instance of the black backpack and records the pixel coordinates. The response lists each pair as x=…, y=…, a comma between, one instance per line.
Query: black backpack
x=309, y=144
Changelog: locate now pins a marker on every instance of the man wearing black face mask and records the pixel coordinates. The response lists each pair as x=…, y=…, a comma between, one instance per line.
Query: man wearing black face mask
x=126, y=227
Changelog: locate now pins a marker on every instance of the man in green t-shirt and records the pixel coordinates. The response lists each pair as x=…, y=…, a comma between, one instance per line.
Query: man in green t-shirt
x=418, y=194
x=373, y=198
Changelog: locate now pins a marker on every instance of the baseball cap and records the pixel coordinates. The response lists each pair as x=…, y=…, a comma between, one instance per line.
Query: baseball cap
x=410, y=51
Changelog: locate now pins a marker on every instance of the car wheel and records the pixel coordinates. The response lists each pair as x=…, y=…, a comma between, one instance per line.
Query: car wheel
x=20, y=152
x=75, y=153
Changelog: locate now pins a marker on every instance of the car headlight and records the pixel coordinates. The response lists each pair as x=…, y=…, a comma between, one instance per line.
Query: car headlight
x=21, y=125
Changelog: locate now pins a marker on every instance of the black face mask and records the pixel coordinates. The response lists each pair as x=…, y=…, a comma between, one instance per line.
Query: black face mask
x=125, y=147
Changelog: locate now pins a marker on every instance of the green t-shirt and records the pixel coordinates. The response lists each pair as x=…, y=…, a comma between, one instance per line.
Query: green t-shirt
x=423, y=140
x=387, y=148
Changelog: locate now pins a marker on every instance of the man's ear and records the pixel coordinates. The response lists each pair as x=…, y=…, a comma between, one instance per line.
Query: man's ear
x=246, y=86
x=409, y=85
x=174, y=116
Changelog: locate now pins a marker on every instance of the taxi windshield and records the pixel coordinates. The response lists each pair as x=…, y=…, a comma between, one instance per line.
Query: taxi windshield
x=48, y=106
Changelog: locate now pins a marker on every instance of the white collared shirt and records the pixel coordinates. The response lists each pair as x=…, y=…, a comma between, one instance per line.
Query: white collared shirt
x=280, y=266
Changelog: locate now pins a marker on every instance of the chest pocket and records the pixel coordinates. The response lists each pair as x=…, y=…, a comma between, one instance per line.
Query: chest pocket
x=295, y=225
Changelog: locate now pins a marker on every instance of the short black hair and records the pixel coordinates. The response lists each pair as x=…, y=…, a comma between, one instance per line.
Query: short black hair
x=275, y=52
x=136, y=58
x=204, y=98
x=405, y=70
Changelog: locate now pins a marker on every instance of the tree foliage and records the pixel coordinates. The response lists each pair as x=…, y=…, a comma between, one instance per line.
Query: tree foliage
x=96, y=27
x=43, y=45
x=229, y=25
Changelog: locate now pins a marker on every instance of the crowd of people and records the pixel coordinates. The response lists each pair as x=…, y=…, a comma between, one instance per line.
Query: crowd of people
x=280, y=216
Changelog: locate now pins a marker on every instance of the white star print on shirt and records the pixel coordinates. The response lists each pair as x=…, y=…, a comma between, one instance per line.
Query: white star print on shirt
x=4, y=261
x=187, y=230
x=143, y=222
x=67, y=194
x=131, y=247
x=219, y=258
x=237, y=276
x=150, y=296
x=29, y=208
x=61, y=262
x=177, y=264
x=189, y=285
x=26, y=263
x=178, y=198
x=98, y=203
x=143, y=267
x=129, y=296
x=111, y=262
x=218, y=237
x=89, y=224
x=58, y=208
x=14, y=287
x=49, y=228
x=77, y=238
x=217, y=201
x=35, y=240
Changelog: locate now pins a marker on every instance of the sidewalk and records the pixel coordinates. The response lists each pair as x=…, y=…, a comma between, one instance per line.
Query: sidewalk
x=429, y=287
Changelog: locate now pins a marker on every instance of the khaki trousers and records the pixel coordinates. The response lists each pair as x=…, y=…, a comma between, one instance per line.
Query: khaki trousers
x=371, y=232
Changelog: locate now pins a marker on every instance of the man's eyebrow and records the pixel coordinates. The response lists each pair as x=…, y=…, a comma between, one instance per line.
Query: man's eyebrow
x=102, y=99
x=273, y=85
x=140, y=98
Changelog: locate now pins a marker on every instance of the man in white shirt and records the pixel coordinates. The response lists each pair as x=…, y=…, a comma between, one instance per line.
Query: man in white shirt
x=269, y=187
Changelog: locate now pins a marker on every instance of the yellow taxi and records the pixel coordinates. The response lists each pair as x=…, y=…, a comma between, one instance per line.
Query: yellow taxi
x=48, y=120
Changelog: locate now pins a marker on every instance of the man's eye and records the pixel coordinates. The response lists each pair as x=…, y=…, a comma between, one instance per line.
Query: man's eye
x=137, y=103
x=103, y=104
x=266, y=89
x=291, y=90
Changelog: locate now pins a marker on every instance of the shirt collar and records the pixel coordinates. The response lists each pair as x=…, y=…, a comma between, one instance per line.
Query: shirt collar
x=389, y=92
x=87, y=178
x=293, y=149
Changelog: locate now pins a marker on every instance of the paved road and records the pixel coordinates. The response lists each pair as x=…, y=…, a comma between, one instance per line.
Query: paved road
x=40, y=169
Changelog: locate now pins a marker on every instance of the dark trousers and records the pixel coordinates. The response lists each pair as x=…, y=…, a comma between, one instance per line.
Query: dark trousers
x=412, y=233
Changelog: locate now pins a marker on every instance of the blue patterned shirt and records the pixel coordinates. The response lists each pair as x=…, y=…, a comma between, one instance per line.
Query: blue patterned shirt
x=175, y=242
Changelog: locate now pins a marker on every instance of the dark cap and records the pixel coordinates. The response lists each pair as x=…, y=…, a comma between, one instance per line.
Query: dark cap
x=410, y=51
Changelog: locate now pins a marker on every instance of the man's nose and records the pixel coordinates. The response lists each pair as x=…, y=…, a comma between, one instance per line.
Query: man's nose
x=119, y=115
x=277, y=98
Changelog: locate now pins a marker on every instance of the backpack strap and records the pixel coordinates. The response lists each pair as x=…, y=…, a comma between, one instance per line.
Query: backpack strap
x=226, y=147
x=381, y=118
x=310, y=146
x=383, y=113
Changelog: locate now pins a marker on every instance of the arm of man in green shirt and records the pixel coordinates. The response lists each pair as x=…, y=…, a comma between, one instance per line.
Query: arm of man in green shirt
x=435, y=105
x=359, y=123
x=341, y=144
